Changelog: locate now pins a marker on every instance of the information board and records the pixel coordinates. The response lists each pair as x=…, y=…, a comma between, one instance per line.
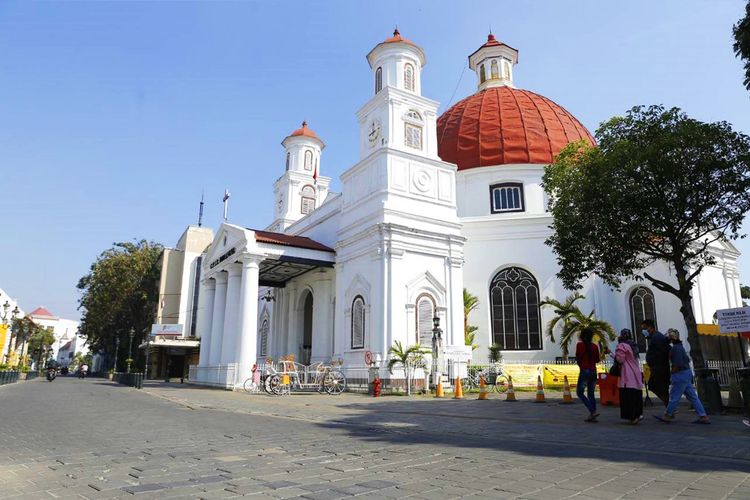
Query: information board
x=736, y=320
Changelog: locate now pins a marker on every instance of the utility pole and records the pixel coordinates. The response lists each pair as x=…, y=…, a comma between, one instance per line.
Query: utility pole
x=130, y=348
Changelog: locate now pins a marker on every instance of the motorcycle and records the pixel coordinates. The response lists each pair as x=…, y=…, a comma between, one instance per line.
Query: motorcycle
x=51, y=374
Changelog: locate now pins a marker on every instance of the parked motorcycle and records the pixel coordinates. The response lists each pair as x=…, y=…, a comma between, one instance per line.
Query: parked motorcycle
x=51, y=374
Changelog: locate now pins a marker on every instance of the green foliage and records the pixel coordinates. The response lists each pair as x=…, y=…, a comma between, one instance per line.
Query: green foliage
x=745, y=292
x=658, y=187
x=120, y=292
x=40, y=343
x=741, y=32
x=471, y=302
x=573, y=322
x=409, y=358
x=495, y=354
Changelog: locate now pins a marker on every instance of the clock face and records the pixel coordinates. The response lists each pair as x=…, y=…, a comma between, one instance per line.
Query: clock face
x=374, y=132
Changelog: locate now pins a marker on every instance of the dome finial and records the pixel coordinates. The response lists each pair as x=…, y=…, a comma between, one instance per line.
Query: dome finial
x=304, y=123
x=396, y=32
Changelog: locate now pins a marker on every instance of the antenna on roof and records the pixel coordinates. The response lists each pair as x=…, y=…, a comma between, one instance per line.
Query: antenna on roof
x=200, y=212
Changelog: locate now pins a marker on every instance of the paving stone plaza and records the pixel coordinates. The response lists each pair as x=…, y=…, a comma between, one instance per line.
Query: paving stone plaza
x=95, y=439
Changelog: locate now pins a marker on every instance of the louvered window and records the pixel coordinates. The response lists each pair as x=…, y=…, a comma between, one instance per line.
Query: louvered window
x=425, y=313
x=409, y=77
x=358, y=323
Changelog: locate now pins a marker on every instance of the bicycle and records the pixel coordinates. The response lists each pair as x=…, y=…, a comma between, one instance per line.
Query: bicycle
x=493, y=376
x=252, y=384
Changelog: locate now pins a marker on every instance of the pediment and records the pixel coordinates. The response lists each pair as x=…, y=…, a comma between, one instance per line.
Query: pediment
x=230, y=240
x=425, y=282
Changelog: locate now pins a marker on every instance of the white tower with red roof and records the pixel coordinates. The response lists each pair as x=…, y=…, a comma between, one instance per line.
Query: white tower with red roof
x=301, y=189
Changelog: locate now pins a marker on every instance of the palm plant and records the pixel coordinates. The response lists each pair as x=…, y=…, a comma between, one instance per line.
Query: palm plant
x=471, y=302
x=410, y=358
x=574, y=321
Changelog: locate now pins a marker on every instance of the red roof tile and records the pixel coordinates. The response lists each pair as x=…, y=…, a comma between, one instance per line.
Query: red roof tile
x=289, y=240
x=41, y=312
x=304, y=131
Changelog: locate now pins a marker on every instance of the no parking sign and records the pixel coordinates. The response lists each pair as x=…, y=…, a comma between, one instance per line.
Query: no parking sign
x=368, y=357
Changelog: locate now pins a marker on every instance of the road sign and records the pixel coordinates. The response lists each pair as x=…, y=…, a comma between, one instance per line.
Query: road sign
x=734, y=320
x=166, y=330
x=368, y=357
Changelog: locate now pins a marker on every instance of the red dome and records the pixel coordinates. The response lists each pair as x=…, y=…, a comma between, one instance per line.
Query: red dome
x=502, y=125
x=304, y=131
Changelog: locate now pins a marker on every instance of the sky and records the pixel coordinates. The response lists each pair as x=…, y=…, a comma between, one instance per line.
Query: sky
x=116, y=116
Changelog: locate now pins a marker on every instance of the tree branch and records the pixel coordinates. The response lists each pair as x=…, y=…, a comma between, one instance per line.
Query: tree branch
x=661, y=285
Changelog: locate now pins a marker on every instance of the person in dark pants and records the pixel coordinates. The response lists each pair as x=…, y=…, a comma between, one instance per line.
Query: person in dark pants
x=657, y=358
x=587, y=356
x=630, y=382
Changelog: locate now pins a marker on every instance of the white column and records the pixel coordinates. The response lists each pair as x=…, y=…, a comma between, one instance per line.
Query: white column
x=205, y=315
x=292, y=335
x=229, y=340
x=247, y=342
x=217, y=321
x=321, y=329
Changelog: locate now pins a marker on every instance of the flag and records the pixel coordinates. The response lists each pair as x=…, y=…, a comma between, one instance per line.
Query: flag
x=315, y=173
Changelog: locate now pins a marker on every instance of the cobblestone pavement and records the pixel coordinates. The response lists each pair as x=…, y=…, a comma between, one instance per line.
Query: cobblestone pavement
x=93, y=439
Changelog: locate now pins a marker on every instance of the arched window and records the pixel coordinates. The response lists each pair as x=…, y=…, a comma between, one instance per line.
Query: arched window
x=358, y=322
x=409, y=77
x=482, y=74
x=642, y=307
x=516, y=324
x=263, y=334
x=425, y=313
x=308, y=160
x=494, y=73
x=506, y=69
x=288, y=157
x=308, y=199
x=378, y=80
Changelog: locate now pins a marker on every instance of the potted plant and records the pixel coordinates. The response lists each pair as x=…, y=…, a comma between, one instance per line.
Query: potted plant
x=111, y=374
x=24, y=372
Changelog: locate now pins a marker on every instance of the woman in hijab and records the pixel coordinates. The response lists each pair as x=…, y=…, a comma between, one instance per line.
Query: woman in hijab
x=631, y=381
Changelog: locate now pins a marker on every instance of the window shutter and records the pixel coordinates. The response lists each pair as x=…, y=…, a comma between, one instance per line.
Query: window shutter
x=425, y=314
x=358, y=323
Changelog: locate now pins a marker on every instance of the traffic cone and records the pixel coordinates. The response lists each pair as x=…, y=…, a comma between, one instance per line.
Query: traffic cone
x=458, y=393
x=439, y=389
x=539, y=390
x=483, y=395
x=510, y=395
x=567, y=396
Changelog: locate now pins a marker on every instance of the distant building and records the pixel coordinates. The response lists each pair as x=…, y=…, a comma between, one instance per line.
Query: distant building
x=173, y=343
x=65, y=332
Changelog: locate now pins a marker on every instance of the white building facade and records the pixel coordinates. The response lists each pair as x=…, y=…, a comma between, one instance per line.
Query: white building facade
x=434, y=205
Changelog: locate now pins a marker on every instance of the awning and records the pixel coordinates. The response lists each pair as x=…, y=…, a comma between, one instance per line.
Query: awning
x=714, y=331
x=171, y=343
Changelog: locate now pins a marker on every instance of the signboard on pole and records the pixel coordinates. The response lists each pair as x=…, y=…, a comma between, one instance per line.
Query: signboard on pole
x=162, y=330
x=735, y=320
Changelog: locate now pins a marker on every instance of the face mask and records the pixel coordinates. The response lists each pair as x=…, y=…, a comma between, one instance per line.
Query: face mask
x=644, y=332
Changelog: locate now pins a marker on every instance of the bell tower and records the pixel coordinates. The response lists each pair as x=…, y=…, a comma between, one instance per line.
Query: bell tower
x=301, y=189
x=493, y=63
x=397, y=116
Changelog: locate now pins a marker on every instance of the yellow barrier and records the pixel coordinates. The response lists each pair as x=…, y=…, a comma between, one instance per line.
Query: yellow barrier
x=552, y=375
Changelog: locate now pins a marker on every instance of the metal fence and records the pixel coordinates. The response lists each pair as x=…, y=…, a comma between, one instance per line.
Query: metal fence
x=224, y=376
x=129, y=379
x=727, y=370
x=8, y=376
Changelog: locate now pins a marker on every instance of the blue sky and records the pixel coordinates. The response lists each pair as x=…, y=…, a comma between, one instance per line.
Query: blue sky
x=115, y=116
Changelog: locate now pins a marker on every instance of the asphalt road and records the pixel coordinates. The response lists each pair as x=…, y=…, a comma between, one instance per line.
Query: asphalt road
x=94, y=439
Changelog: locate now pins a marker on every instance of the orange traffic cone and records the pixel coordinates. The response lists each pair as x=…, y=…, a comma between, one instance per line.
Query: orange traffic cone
x=510, y=395
x=439, y=389
x=458, y=393
x=483, y=394
x=567, y=396
x=539, y=390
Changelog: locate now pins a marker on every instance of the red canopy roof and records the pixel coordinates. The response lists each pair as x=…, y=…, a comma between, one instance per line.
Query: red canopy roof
x=502, y=125
x=41, y=312
x=289, y=240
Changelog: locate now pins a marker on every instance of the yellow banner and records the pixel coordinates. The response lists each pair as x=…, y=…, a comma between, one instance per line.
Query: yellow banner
x=554, y=375
x=3, y=339
x=523, y=375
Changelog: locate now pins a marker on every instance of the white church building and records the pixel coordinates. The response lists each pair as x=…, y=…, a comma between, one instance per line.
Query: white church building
x=434, y=205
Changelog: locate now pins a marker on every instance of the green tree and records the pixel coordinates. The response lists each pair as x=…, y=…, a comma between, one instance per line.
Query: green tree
x=659, y=187
x=573, y=321
x=745, y=292
x=40, y=344
x=409, y=358
x=120, y=292
x=471, y=302
x=22, y=329
x=741, y=32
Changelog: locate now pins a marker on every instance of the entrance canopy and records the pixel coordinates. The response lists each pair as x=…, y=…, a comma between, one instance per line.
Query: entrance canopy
x=281, y=257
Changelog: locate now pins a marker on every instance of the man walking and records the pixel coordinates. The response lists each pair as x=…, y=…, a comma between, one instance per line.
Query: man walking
x=657, y=359
x=682, y=381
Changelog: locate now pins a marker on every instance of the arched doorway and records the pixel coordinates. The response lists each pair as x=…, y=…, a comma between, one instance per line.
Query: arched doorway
x=307, y=326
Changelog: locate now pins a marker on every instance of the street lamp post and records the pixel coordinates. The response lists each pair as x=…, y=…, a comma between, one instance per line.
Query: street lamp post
x=437, y=341
x=130, y=348
x=117, y=350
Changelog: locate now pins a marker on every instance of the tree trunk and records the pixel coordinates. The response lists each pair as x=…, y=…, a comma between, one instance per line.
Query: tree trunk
x=408, y=380
x=686, y=308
